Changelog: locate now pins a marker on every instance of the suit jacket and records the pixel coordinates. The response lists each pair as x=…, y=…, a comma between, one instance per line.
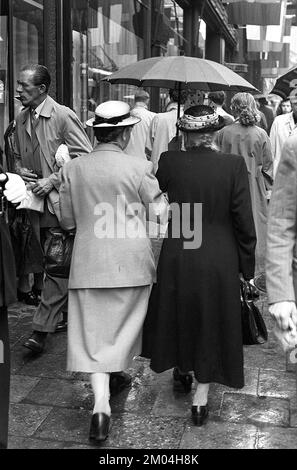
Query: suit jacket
x=57, y=125
x=162, y=131
x=137, y=143
x=282, y=127
x=281, y=258
x=107, y=197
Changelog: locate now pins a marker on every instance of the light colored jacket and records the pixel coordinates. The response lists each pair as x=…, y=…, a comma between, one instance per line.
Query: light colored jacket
x=162, y=131
x=281, y=258
x=57, y=125
x=140, y=131
x=282, y=127
x=107, y=196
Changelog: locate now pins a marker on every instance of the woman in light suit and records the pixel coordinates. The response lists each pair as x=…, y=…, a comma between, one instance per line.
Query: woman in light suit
x=107, y=196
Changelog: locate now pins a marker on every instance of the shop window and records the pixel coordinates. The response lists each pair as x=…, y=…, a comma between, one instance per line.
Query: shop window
x=115, y=39
x=4, y=96
x=80, y=58
x=168, y=28
x=28, y=37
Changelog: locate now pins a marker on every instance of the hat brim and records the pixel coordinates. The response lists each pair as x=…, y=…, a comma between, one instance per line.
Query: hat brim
x=130, y=121
x=211, y=128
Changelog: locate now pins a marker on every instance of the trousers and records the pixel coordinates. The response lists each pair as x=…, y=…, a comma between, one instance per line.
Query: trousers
x=54, y=296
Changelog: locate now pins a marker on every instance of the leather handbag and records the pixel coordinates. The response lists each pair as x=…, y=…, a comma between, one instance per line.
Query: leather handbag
x=58, y=253
x=254, y=330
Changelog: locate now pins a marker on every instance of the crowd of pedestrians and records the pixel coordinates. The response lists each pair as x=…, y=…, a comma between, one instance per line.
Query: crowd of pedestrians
x=208, y=190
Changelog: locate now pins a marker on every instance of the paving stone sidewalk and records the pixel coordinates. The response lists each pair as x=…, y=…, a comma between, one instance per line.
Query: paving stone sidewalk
x=51, y=408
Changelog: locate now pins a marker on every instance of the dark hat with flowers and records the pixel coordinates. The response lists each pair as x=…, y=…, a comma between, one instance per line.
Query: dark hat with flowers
x=200, y=118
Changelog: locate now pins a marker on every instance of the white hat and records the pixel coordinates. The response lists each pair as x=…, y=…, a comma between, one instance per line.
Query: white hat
x=112, y=114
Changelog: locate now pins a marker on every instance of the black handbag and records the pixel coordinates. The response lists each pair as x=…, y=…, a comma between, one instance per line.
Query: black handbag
x=58, y=253
x=27, y=249
x=254, y=330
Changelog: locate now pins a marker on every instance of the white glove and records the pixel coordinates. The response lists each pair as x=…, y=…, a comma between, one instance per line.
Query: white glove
x=285, y=313
x=15, y=188
x=62, y=155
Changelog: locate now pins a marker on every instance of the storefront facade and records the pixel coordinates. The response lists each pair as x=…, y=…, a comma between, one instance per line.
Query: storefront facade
x=83, y=41
x=21, y=42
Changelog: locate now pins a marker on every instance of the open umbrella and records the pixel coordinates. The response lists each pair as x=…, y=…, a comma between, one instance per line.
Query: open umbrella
x=286, y=83
x=181, y=71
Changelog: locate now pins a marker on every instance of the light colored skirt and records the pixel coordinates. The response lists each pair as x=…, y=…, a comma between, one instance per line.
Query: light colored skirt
x=105, y=328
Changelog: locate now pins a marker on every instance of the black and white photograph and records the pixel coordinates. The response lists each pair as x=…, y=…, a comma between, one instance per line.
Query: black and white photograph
x=148, y=230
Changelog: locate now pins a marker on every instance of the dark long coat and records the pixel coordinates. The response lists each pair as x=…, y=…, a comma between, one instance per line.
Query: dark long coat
x=194, y=319
x=7, y=296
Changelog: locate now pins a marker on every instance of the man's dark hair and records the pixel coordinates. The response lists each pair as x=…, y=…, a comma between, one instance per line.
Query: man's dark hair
x=173, y=94
x=262, y=100
x=41, y=75
x=218, y=97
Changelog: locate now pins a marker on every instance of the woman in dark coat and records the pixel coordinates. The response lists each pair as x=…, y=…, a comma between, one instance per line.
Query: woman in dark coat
x=15, y=191
x=245, y=138
x=194, y=317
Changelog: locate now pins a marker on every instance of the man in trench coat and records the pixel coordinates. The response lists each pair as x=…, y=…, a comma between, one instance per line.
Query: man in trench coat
x=40, y=129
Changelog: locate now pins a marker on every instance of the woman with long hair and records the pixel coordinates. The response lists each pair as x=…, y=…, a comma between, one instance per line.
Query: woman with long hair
x=245, y=138
x=193, y=321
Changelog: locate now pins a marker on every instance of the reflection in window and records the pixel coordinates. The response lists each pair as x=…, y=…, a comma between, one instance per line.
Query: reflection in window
x=168, y=28
x=115, y=39
x=27, y=36
x=4, y=119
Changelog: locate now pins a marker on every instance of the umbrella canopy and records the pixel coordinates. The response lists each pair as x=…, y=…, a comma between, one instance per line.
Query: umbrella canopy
x=180, y=71
x=286, y=83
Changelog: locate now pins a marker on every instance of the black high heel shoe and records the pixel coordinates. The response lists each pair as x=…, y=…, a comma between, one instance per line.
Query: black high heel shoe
x=199, y=414
x=100, y=426
x=182, y=382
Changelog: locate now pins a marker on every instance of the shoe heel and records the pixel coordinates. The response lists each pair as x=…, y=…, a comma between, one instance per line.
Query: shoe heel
x=199, y=415
x=182, y=382
x=100, y=427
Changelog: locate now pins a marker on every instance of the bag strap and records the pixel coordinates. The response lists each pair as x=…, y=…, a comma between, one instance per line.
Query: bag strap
x=245, y=290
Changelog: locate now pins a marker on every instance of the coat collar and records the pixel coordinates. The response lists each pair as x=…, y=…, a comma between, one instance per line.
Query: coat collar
x=111, y=147
x=45, y=112
x=290, y=121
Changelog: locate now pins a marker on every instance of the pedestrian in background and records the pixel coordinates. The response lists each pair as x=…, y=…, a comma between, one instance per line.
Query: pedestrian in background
x=284, y=107
x=163, y=127
x=216, y=101
x=112, y=265
x=264, y=107
x=283, y=126
x=194, y=320
x=140, y=131
x=245, y=138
